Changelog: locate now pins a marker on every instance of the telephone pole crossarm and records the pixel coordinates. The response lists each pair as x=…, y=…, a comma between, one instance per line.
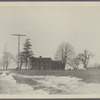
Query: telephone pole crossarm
x=18, y=35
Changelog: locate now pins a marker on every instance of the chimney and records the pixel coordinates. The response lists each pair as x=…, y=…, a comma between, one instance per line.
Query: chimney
x=40, y=56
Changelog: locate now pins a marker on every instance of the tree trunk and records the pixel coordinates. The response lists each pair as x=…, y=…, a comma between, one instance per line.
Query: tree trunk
x=21, y=66
x=6, y=67
x=21, y=63
x=85, y=65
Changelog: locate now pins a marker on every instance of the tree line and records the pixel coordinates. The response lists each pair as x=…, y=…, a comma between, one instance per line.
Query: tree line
x=24, y=56
x=65, y=53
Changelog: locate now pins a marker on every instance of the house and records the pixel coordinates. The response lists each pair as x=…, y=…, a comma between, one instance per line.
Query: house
x=57, y=65
x=40, y=63
x=46, y=64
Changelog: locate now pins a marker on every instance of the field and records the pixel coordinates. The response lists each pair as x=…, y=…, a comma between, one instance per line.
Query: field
x=89, y=76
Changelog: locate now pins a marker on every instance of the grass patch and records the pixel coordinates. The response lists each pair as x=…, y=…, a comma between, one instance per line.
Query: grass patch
x=89, y=75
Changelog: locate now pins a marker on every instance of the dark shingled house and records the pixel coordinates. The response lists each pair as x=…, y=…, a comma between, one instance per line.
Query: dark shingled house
x=46, y=64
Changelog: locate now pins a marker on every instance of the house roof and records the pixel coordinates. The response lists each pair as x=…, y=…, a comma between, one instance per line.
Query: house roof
x=41, y=59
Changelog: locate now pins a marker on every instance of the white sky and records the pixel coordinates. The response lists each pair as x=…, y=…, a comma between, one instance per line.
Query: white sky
x=48, y=24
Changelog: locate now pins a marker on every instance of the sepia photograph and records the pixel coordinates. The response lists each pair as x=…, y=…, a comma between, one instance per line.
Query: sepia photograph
x=49, y=48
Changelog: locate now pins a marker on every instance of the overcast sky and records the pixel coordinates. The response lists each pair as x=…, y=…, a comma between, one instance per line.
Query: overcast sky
x=50, y=24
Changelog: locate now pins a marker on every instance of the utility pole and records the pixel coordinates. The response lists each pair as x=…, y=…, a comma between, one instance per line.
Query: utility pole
x=18, y=35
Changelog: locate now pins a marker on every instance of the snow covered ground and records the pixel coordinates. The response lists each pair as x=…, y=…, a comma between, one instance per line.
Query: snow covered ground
x=46, y=85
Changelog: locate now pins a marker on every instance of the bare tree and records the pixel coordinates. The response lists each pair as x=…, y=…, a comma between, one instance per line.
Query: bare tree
x=85, y=57
x=64, y=53
x=21, y=60
x=6, y=59
x=75, y=62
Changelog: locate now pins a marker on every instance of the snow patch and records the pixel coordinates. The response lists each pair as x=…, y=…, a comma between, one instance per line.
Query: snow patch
x=71, y=85
x=50, y=84
x=9, y=86
x=68, y=85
